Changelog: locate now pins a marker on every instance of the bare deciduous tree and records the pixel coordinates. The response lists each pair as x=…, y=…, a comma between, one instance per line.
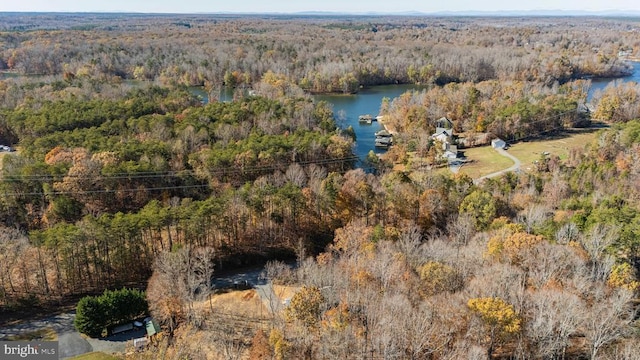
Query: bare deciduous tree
x=180, y=278
x=596, y=242
x=554, y=317
x=607, y=319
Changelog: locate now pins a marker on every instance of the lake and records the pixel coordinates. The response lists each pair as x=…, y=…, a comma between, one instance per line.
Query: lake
x=347, y=109
x=601, y=83
x=368, y=101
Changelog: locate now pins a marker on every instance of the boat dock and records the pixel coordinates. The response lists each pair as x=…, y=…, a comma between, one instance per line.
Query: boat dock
x=365, y=119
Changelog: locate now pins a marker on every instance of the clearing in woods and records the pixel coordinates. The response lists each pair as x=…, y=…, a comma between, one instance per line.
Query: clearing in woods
x=485, y=160
x=560, y=145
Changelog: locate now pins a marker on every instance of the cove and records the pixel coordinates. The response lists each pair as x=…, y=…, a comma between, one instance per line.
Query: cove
x=347, y=109
x=599, y=84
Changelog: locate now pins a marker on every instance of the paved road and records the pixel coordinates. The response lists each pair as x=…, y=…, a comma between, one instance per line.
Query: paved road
x=60, y=323
x=515, y=167
x=247, y=277
x=455, y=165
x=72, y=344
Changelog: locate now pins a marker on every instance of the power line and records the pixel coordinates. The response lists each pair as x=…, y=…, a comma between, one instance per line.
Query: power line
x=106, y=191
x=213, y=173
x=160, y=174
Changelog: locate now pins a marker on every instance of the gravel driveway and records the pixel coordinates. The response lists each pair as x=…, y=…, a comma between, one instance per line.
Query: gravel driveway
x=515, y=167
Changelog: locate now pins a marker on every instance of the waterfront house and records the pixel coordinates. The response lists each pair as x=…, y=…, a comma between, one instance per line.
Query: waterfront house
x=444, y=134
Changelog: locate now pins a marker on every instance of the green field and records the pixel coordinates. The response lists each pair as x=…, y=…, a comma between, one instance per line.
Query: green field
x=482, y=161
x=530, y=151
x=485, y=160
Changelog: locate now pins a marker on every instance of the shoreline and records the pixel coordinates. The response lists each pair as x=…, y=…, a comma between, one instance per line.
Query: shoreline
x=386, y=126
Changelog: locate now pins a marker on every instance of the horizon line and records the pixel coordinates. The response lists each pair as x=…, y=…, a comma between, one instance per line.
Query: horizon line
x=548, y=12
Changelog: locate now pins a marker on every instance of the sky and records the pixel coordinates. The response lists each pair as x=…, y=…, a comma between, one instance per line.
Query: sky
x=267, y=6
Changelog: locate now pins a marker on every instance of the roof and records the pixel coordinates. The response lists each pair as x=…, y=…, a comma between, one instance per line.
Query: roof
x=152, y=327
x=441, y=130
x=498, y=143
x=450, y=151
x=444, y=122
x=383, y=142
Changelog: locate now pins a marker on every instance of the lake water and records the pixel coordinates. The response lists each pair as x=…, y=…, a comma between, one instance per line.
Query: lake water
x=601, y=83
x=348, y=108
x=226, y=94
x=368, y=101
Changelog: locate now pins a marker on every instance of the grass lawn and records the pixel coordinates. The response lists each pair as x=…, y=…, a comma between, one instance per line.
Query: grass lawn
x=530, y=151
x=484, y=160
x=95, y=356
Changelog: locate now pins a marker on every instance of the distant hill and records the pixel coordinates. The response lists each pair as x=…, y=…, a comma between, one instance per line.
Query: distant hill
x=480, y=13
x=614, y=13
x=474, y=13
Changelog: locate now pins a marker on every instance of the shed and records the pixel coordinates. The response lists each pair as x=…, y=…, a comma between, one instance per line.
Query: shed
x=498, y=143
x=140, y=343
x=152, y=327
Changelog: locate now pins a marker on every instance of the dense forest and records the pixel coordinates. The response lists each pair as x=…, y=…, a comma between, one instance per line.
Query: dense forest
x=124, y=177
x=319, y=54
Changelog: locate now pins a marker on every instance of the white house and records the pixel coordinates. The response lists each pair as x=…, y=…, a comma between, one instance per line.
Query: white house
x=498, y=143
x=443, y=135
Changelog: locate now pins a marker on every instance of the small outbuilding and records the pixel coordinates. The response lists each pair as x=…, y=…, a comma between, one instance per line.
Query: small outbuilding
x=498, y=143
x=152, y=327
